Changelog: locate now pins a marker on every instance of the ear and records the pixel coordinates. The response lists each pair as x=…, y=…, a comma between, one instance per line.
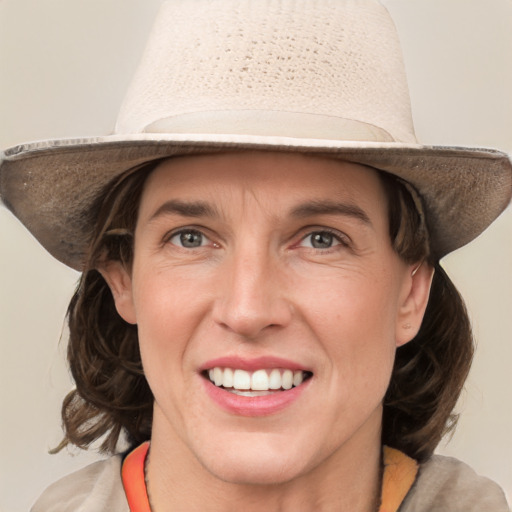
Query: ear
x=119, y=281
x=413, y=302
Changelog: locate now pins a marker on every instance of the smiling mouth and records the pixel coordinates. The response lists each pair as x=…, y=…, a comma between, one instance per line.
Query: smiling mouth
x=258, y=383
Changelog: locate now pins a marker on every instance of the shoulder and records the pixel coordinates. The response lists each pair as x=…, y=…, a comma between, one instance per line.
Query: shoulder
x=95, y=488
x=445, y=484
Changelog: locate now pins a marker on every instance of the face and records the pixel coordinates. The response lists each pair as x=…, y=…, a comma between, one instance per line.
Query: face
x=269, y=305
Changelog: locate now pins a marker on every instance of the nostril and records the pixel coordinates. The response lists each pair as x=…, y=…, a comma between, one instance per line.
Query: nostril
x=248, y=327
x=249, y=305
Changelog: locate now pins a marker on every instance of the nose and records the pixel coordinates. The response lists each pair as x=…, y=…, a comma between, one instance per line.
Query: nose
x=251, y=297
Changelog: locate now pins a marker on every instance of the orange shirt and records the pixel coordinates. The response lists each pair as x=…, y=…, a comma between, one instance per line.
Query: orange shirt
x=399, y=475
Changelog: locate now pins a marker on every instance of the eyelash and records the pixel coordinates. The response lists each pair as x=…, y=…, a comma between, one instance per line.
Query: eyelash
x=168, y=238
x=342, y=239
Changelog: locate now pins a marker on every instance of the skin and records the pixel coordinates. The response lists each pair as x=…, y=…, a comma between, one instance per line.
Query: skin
x=259, y=285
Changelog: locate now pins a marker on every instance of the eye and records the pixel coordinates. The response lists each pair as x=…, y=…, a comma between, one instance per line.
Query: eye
x=189, y=239
x=322, y=240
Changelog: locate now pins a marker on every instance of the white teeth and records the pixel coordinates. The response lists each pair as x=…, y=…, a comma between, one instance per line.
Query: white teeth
x=241, y=380
x=275, y=379
x=218, y=376
x=258, y=381
x=287, y=379
x=249, y=393
x=228, y=378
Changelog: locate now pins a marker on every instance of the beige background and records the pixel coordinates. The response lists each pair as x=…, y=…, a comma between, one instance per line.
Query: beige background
x=64, y=65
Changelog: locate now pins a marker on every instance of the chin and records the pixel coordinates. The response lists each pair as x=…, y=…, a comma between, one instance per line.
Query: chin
x=253, y=473
x=254, y=464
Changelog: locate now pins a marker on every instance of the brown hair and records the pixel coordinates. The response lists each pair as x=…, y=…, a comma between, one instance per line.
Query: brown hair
x=112, y=396
x=429, y=371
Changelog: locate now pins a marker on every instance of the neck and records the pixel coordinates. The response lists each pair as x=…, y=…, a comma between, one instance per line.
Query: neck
x=348, y=481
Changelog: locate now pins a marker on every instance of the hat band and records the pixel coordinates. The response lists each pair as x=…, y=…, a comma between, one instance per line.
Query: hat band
x=271, y=123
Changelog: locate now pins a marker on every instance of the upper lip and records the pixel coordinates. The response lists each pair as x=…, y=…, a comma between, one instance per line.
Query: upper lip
x=253, y=364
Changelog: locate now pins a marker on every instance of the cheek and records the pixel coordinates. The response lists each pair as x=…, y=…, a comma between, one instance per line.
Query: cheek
x=362, y=306
x=171, y=306
x=164, y=302
x=354, y=319
x=162, y=322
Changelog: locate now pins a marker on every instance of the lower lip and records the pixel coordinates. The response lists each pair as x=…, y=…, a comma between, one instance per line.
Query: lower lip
x=254, y=405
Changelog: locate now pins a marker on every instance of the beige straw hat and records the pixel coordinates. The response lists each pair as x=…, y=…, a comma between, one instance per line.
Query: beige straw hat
x=315, y=76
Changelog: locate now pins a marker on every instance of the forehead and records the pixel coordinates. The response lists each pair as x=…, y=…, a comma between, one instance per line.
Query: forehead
x=276, y=180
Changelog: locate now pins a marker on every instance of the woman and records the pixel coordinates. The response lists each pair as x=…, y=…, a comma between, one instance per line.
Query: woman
x=314, y=289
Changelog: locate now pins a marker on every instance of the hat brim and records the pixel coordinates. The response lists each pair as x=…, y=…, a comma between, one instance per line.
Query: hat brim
x=51, y=185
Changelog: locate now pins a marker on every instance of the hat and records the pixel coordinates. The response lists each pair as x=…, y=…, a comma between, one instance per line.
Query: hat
x=321, y=77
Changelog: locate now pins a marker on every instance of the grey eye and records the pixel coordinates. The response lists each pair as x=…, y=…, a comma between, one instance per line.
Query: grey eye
x=189, y=239
x=321, y=240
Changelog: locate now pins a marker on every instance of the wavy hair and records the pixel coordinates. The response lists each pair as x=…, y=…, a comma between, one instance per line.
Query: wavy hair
x=112, y=397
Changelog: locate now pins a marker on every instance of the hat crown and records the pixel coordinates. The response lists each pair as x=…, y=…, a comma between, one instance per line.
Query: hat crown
x=324, y=77
x=324, y=69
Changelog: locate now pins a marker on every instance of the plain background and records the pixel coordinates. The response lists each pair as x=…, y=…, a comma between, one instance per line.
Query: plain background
x=64, y=67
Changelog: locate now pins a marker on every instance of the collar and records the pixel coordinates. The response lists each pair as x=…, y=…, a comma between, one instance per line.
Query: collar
x=398, y=477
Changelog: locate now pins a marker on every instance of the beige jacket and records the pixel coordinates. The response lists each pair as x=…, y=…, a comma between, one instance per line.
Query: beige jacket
x=443, y=485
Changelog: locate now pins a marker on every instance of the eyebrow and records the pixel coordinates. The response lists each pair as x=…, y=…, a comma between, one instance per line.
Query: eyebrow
x=330, y=208
x=185, y=209
x=199, y=209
